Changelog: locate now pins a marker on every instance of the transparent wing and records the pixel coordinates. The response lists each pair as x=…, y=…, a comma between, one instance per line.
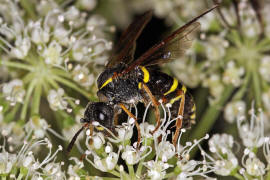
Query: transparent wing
x=125, y=48
x=171, y=47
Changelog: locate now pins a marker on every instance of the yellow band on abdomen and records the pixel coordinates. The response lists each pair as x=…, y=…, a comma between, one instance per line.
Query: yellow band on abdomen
x=173, y=87
x=175, y=99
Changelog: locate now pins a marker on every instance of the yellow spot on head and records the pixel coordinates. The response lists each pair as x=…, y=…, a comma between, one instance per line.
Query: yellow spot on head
x=173, y=87
x=146, y=75
x=106, y=82
x=99, y=128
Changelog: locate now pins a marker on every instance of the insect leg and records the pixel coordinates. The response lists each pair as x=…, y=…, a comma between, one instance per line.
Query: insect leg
x=179, y=121
x=155, y=104
x=136, y=122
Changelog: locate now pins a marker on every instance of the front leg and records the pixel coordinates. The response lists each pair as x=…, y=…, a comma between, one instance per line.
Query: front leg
x=136, y=123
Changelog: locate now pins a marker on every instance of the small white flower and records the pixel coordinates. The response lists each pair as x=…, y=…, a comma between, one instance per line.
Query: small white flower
x=87, y=4
x=108, y=163
x=22, y=47
x=233, y=74
x=251, y=131
x=98, y=141
x=73, y=169
x=234, y=110
x=62, y=35
x=13, y=91
x=216, y=48
x=130, y=155
x=52, y=54
x=81, y=75
x=224, y=167
x=156, y=169
x=165, y=150
x=264, y=68
x=38, y=125
x=7, y=161
x=255, y=167
x=56, y=99
x=224, y=160
x=214, y=84
x=221, y=143
x=39, y=35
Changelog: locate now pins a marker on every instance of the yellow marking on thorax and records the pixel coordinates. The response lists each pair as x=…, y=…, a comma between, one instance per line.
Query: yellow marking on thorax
x=106, y=82
x=175, y=99
x=140, y=85
x=184, y=89
x=173, y=87
x=146, y=75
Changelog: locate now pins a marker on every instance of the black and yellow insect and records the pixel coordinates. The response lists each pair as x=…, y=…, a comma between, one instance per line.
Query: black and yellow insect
x=127, y=81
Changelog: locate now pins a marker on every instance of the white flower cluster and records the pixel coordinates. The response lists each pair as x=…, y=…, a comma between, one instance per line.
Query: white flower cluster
x=27, y=165
x=224, y=157
x=52, y=51
x=154, y=151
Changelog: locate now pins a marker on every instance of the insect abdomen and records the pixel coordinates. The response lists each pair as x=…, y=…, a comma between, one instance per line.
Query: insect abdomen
x=167, y=88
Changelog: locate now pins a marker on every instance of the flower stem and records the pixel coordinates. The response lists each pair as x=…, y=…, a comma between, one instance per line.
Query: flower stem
x=240, y=93
x=257, y=88
x=267, y=177
x=210, y=116
x=36, y=99
x=28, y=6
x=169, y=175
x=139, y=168
x=17, y=65
x=72, y=85
x=238, y=176
x=131, y=171
x=27, y=99
x=115, y=173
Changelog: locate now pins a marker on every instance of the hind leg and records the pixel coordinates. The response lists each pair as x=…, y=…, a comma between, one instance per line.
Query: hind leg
x=179, y=121
x=155, y=104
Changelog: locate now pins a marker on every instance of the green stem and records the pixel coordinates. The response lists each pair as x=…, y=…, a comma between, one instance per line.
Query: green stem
x=257, y=87
x=10, y=115
x=20, y=177
x=36, y=99
x=115, y=173
x=240, y=93
x=105, y=178
x=238, y=176
x=72, y=85
x=17, y=65
x=209, y=118
x=131, y=171
x=139, y=168
x=169, y=175
x=29, y=8
x=27, y=99
x=60, y=72
x=267, y=177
